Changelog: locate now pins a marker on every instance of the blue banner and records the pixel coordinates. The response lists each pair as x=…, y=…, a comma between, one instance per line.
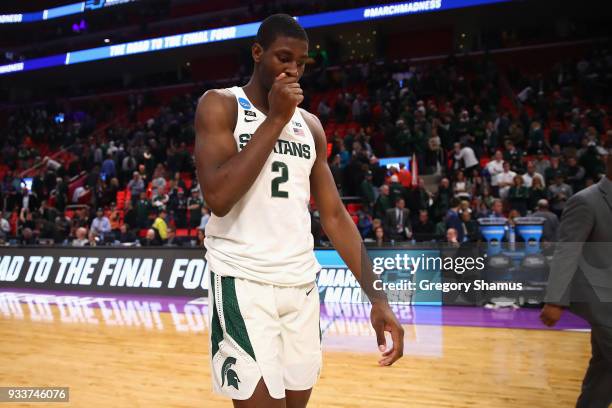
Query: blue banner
x=402, y=274
x=239, y=31
x=60, y=11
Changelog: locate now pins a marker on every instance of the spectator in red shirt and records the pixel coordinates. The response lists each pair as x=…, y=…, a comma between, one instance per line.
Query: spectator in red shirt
x=404, y=175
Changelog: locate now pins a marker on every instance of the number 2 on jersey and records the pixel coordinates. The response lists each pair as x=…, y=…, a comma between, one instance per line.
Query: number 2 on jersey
x=281, y=167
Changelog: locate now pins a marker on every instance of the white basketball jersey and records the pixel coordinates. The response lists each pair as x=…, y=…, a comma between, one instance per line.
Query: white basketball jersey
x=266, y=236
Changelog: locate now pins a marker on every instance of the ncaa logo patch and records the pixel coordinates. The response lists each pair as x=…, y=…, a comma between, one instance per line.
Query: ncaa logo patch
x=244, y=103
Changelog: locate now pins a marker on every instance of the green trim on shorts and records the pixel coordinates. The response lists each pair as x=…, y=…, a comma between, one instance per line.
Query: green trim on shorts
x=234, y=323
x=216, y=332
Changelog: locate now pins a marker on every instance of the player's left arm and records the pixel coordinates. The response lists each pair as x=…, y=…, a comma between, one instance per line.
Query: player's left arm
x=343, y=233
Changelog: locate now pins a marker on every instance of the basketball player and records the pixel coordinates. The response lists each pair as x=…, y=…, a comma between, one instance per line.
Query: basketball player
x=259, y=157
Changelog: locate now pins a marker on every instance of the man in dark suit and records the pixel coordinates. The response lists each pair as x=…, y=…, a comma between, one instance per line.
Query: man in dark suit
x=453, y=219
x=581, y=279
x=551, y=222
x=397, y=221
x=424, y=229
x=172, y=240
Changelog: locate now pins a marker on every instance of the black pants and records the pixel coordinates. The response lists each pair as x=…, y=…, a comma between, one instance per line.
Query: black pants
x=597, y=383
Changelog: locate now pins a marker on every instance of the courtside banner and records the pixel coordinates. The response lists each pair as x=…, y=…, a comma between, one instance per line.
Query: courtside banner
x=153, y=271
x=437, y=274
x=421, y=274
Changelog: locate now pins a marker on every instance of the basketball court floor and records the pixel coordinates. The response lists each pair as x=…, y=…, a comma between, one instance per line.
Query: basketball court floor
x=128, y=351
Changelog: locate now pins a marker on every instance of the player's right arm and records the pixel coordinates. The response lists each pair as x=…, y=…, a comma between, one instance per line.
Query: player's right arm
x=225, y=174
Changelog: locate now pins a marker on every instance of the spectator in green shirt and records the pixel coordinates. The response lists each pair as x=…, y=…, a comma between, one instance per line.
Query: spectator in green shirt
x=194, y=205
x=518, y=195
x=383, y=203
x=143, y=208
x=368, y=193
x=537, y=192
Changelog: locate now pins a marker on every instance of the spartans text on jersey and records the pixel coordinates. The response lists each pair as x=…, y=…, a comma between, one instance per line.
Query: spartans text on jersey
x=291, y=148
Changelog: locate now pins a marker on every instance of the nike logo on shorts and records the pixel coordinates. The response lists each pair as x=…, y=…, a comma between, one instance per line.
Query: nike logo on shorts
x=308, y=293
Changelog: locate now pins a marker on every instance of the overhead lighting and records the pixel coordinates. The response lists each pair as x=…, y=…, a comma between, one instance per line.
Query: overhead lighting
x=106, y=40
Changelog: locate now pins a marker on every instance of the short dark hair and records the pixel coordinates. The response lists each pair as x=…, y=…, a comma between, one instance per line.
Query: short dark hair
x=278, y=25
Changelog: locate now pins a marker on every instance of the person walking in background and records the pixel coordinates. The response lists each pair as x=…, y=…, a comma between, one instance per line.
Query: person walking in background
x=581, y=280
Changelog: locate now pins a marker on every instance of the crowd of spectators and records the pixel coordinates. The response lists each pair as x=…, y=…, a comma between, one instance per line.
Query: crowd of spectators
x=498, y=144
x=75, y=203
x=507, y=154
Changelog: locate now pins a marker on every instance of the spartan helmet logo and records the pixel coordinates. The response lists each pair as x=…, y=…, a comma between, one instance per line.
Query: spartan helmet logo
x=226, y=371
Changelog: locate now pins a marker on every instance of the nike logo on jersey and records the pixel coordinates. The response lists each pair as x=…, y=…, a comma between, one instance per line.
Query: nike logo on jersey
x=250, y=120
x=308, y=293
x=250, y=116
